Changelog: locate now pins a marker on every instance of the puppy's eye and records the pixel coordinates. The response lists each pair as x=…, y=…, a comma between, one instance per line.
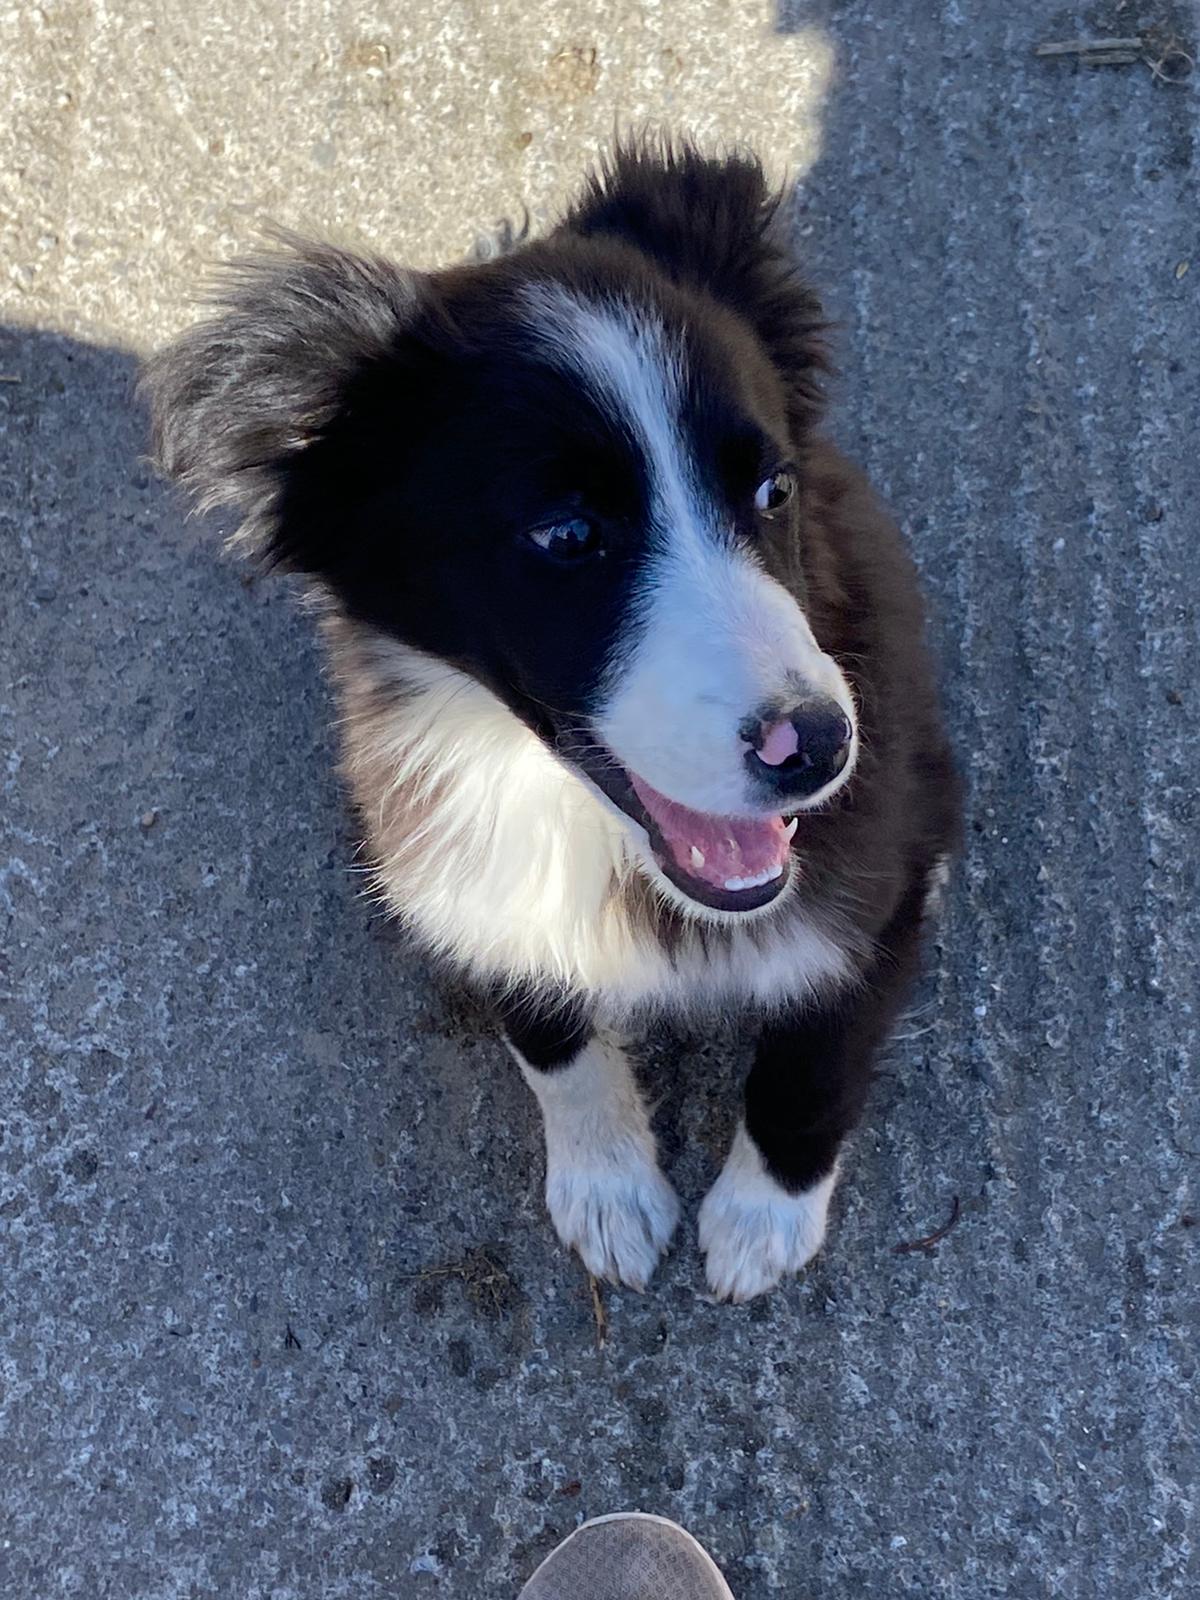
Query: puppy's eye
x=569, y=541
x=775, y=491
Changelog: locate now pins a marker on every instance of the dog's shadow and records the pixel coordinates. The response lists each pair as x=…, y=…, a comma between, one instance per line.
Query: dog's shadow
x=195, y=743
x=177, y=789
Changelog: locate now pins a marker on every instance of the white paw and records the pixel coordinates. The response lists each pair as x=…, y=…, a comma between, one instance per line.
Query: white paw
x=616, y=1209
x=605, y=1194
x=752, y=1231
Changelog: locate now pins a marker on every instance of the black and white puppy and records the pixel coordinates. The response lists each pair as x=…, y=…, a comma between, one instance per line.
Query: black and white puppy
x=637, y=709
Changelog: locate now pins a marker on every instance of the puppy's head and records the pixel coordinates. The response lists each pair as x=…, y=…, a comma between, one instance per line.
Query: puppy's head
x=574, y=473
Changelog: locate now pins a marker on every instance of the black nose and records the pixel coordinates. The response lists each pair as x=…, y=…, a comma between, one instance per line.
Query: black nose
x=802, y=751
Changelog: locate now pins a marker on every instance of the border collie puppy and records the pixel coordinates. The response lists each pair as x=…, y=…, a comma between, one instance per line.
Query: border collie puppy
x=636, y=705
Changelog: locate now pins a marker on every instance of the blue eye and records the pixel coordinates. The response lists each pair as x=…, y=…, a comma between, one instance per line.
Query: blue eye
x=571, y=540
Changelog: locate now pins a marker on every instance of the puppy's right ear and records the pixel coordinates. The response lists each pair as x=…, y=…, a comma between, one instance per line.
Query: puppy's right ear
x=237, y=399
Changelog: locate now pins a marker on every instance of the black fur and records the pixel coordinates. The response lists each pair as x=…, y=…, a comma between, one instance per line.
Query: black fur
x=368, y=420
x=714, y=227
x=238, y=398
x=548, y=1030
x=812, y=1067
x=337, y=400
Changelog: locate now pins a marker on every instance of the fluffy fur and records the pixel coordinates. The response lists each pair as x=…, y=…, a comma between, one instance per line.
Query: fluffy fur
x=604, y=1191
x=586, y=566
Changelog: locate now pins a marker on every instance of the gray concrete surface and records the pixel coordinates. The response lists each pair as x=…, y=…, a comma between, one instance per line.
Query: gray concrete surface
x=279, y=1312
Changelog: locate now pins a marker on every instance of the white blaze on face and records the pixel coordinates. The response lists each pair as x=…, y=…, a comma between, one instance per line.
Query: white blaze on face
x=713, y=637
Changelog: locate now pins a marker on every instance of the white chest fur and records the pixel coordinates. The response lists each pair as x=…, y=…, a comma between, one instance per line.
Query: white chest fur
x=505, y=863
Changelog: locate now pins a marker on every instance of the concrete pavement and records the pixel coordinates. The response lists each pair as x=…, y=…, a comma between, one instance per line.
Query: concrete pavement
x=280, y=1315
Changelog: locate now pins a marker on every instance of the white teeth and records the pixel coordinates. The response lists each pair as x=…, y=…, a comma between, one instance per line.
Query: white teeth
x=756, y=882
x=789, y=833
x=697, y=857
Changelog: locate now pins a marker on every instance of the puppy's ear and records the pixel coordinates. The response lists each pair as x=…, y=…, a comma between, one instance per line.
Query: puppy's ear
x=712, y=223
x=238, y=399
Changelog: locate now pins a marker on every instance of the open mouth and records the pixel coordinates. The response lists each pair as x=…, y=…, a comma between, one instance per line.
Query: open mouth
x=726, y=863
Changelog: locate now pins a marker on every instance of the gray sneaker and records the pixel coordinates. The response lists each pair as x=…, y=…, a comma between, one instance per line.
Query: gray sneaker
x=629, y=1556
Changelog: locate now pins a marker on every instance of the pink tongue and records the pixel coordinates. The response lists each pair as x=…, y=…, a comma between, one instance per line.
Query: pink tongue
x=715, y=849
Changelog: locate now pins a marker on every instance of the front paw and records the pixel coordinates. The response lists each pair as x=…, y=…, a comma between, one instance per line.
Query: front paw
x=752, y=1231
x=619, y=1213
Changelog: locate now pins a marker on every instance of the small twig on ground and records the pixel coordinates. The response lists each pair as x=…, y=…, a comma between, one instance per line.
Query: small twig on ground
x=599, y=1314
x=1167, y=59
x=1095, y=52
x=9, y=377
x=487, y=1285
x=931, y=1239
x=1172, y=64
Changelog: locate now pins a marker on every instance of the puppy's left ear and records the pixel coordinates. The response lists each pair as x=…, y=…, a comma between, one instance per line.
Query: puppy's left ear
x=714, y=223
x=238, y=399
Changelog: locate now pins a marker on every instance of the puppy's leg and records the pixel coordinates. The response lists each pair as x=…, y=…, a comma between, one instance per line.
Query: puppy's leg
x=605, y=1193
x=765, y=1215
